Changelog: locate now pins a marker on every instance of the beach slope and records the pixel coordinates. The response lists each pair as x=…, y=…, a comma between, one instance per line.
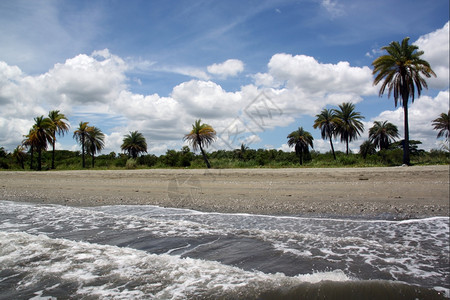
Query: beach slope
x=392, y=193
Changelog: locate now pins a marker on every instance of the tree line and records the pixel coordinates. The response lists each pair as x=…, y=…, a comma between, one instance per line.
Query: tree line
x=399, y=71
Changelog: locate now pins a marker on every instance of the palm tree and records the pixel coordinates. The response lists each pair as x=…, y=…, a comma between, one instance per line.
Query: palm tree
x=301, y=139
x=134, y=143
x=367, y=148
x=401, y=70
x=20, y=155
x=80, y=136
x=58, y=127
x=95, y=142
x=326, y=121
x=442, y=123
x=241, y=151
x=42, y=131
x=382, y=134
x=348, y=124
x=31, y=142
x=201, y=135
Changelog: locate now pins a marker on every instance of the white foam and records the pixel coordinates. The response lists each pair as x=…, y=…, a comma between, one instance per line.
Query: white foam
x=131, y=273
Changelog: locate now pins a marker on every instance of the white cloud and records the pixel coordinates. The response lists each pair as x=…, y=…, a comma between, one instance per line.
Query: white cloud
x=206, y=99
x=285, y=148
x=334, y=8
x=190, y=72
x=421, y=114
x=300, y=85
x=436, y=51
x=230, y=67
x=307, y=73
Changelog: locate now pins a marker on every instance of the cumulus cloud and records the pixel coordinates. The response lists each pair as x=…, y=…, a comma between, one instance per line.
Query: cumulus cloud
x=206, y=99
x=421, y=114
x=95, y=88
x=230, y=67
x=436, y=51
x=300, y=85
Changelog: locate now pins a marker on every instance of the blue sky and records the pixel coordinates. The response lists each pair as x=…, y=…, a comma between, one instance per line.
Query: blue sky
x=254, y=70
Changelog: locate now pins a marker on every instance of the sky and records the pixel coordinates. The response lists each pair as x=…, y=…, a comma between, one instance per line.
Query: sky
x=253, y=70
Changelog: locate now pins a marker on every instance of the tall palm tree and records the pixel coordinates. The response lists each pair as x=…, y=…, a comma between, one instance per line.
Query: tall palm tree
x=382, y=134
x=326, y=121
x=442, y=123
x=20, y=155
x=348, y=124
x=80, y=136
x=58, y=127
x=134, y=143
x=42, y=131
x=201, y=135
x=401, y=70
x=95, y=142
x=301, y=140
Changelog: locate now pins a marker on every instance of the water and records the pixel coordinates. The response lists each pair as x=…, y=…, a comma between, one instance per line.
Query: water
x=148, y=252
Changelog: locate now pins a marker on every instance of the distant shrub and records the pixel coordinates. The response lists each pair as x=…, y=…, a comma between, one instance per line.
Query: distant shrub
x=391, y=157
x=347, y=160
x=121, y=161
x=148, y=160
x=3, y=164
x=131, y=164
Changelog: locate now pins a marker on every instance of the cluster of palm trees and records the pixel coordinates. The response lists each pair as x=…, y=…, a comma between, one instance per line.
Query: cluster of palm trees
x=343, y=122
x=400, y=72
x=42, y=133
x=91, y=140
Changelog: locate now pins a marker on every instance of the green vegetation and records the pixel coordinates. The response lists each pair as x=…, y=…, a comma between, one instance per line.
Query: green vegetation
x=251, y=158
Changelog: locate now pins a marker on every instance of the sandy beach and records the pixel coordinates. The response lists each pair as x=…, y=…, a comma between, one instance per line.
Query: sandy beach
x=391, y=193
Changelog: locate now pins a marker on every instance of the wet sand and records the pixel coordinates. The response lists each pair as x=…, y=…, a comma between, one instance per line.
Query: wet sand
x=387, y=193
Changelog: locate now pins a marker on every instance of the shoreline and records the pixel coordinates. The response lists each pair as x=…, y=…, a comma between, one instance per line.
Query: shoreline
x=389, y=193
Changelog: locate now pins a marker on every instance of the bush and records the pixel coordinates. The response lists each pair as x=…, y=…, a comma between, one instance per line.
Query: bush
x=121, y=161
x=148, y=160
x=3, y=164
x=131, y=164
x=347, y=160
x=391, y=157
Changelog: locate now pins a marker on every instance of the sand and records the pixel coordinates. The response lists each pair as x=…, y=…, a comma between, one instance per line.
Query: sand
x=386, y=193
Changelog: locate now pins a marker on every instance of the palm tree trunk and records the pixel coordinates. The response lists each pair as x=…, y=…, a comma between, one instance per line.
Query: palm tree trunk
x=300, y=154
x=93, y=157
x=406, y=159
x=205, y=158
x=346, y=141
x=83, y=164
x=32, y=156
x=39, y=159
x=332, y=148
x=53, y=154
